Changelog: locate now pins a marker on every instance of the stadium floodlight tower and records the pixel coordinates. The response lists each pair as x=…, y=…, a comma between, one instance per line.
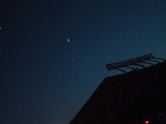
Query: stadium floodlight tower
x=134, y=97
x=139, y=61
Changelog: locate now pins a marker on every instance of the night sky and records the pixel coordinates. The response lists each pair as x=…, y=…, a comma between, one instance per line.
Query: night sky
x=53, y=52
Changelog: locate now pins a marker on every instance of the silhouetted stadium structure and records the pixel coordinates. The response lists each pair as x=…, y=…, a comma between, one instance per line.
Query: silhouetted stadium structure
x=135, y=97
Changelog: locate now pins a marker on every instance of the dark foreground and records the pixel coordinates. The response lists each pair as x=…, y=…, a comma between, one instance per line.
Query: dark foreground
x=137, y=97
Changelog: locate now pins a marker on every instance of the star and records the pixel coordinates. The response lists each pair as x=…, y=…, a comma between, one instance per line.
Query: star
x=0, y=28
x=68, y=40
x=73, y=60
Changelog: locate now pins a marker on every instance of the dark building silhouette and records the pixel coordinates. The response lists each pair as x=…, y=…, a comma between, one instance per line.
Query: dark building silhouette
x=136, y=97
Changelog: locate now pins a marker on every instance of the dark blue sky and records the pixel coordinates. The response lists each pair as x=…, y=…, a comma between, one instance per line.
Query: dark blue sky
x=45, y=79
